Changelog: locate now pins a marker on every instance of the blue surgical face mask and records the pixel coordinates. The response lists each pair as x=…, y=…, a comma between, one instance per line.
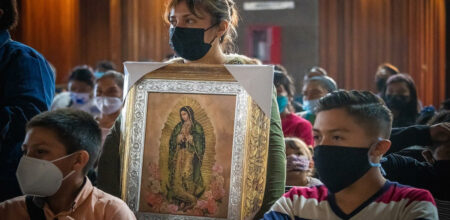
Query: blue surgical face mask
x=80, y=98
x=98, y=74
x=282, y=103
x=310, y=105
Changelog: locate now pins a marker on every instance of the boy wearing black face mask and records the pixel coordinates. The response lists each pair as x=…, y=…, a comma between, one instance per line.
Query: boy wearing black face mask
x=351, y=132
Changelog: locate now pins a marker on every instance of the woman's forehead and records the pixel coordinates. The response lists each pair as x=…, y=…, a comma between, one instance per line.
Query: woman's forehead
x=182, y=10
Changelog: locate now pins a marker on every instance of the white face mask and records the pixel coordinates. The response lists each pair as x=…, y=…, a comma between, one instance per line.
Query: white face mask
x=39, y=177
x=310, y=105
x=79, y=98
x=108, y=105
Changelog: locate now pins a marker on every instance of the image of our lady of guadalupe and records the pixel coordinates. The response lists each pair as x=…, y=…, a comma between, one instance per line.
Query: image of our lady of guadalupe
x=186, y=150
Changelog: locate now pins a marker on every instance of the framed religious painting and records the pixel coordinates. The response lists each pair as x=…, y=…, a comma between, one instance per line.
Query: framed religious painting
x=195, y=140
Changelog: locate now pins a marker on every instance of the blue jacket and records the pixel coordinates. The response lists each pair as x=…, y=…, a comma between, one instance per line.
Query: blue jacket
x=27, y=86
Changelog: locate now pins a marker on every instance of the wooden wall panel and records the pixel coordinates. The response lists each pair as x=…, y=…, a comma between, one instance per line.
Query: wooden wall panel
x=75, y=32
x=145, y=33
x=95, y=36
x=358, y=35
x=51, y=27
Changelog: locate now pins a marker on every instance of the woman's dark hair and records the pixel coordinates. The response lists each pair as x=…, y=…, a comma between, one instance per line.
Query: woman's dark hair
x=220, y=10
x=105, y=65
x=325, y=82
x=75, y=129
x=190, y=112
x=380, y=80
x=406, y=78
x=280, y=79
x=9, y=18
x=84, y=74
x=116, y=76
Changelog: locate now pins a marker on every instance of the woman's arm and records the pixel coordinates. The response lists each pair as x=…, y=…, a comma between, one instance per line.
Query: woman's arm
x=109, y=162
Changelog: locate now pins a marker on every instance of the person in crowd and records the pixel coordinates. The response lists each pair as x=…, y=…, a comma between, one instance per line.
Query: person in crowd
x=315, y=71
x=59, y=148
x=108, y=98
x=384, y=71
x=400, y=95
x=79, y=96
x=203, y=32
x=351, y=134
x=425, y=115
x=280, y=69
x=102, y=67
x=434, y=173
x=27, y=87
x=292, y=124
x=315, y=88
x=445, y=105
x=299, y=164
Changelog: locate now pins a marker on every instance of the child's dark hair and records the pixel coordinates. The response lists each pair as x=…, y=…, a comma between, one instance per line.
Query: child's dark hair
x=75, y=129
x=105, y=65
x=84, y=74
x=365, y=107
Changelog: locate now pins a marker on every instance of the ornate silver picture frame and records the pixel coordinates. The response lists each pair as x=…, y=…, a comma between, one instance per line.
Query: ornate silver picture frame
x=194, y=144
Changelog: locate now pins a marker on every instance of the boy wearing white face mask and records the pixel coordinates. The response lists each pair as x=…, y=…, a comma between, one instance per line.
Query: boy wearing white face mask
x=59, y=148
x=351, y=134
x=108, y=99
x=80, y=86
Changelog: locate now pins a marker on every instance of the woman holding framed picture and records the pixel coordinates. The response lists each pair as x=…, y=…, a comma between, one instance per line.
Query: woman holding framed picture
x=203, y=32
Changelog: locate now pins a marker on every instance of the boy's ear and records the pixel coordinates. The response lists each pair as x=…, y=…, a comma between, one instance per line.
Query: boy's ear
x=381, y=148
x=82, y=160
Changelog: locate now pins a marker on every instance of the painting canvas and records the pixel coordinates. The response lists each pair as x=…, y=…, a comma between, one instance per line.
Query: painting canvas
x=187, y=154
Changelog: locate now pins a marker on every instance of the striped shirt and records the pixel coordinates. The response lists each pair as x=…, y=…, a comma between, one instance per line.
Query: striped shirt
x=392, y=201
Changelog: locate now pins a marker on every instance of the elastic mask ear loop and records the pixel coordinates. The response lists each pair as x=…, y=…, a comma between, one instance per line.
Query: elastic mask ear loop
x=63, y=157
x=71, y=172
x=383, y=172
x=210, y=28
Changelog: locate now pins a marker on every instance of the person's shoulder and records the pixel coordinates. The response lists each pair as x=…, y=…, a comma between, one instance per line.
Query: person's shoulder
x=318, y=192
x=300, y=121
x=398, y=192
x=241, y=59
x=109, y=200
x=16, y=204
x=62, y=100
x=115, y=208
x=20, y=50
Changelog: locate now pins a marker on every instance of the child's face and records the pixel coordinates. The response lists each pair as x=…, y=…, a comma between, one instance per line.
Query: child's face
x=336, y=127
x=42, y=143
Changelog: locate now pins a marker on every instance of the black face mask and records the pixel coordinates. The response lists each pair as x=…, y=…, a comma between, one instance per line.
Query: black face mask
x=397, y=102
x=339, y=167
x=188, y=42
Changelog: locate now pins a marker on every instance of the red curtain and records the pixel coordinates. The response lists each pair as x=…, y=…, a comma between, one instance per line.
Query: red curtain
x=358, y=35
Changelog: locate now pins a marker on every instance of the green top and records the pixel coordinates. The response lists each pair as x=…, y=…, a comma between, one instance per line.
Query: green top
x=109, y=162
